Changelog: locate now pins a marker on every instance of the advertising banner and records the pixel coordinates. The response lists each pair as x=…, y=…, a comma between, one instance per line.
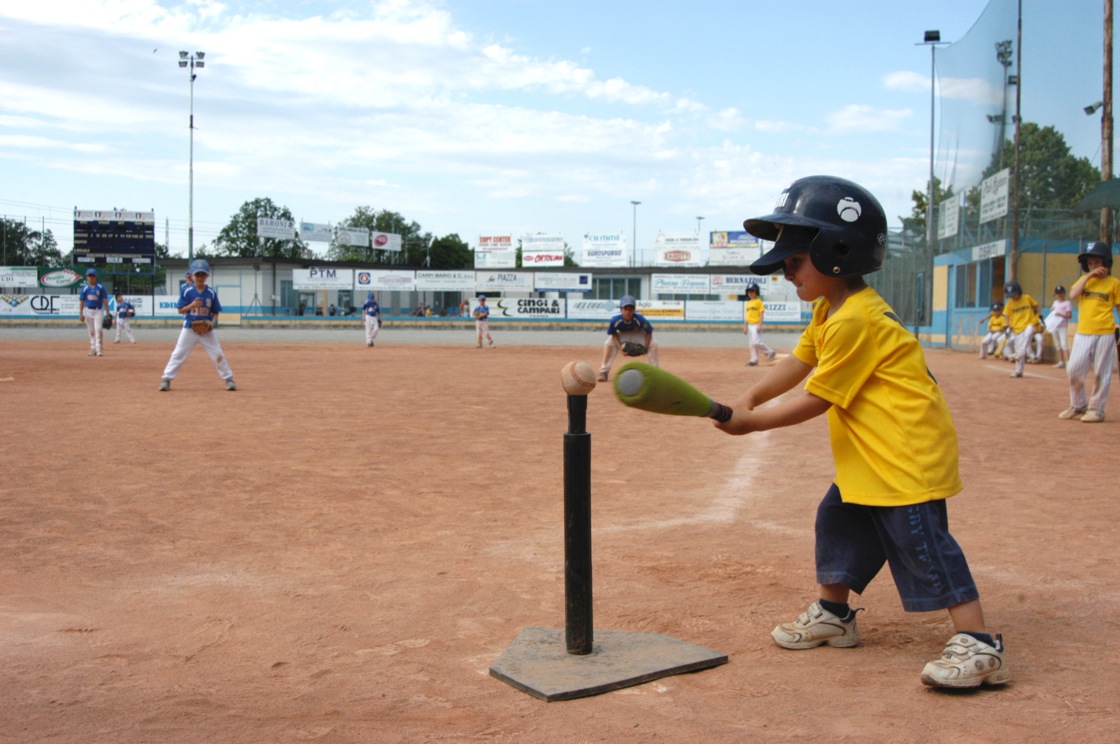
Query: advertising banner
x=728, y=284
x=495, y=259
x=503, y=281
x=382, y=241
x=602, y=310
x=734, y=248
x=322, y=278
x=605, y=250
x=526, y=307
x=24, y=277
x=654, y=310
x=277, y=229
x=714, y=310
x=444, y=281
x=558, y=282
x=316, y=232
x=384, y=280
x=358, y=236
x=495, y=243
x=993, y=196
x=677, y=249
x=542, y=249
x=59, y=277
x=948, y=218
x=680, y=284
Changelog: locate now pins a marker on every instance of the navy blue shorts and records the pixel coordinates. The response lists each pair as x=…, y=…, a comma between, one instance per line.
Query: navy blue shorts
x=929, y=568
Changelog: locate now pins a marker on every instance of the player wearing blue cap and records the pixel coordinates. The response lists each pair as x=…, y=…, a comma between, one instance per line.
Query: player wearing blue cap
x=124, y=312
x=372, y=313
x=93, y=303
x=200, y=307
x=628, y=325
x=482, y=322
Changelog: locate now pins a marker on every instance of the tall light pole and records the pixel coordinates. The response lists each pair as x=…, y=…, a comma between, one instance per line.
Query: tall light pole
x=191, y=61
x=698, y=221
x=933, y=39
x=633, y=253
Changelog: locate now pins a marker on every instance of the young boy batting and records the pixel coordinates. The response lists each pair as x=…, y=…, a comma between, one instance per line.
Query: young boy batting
x=893, y=440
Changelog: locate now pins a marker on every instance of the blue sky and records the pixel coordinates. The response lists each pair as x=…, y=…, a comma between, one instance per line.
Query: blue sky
x=479, y=116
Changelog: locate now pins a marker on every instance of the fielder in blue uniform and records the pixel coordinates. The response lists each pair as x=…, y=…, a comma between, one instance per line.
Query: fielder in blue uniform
x=125, y=310
x=628, y=325
x=198, y=302
x=93, y=303
x=372, y=313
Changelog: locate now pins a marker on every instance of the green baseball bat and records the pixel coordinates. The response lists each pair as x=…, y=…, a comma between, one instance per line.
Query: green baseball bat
x=641, y=385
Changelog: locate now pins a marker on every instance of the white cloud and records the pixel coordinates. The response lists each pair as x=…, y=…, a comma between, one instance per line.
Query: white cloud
x=860, y=118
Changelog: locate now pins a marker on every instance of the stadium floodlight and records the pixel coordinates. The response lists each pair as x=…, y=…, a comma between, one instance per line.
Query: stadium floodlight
x=186, y=59
x=1093, y=108
x=933, y=39
x=634, y=252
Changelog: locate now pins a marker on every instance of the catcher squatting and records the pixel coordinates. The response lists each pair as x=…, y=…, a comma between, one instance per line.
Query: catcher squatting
x=200, y=307
x=630, y=333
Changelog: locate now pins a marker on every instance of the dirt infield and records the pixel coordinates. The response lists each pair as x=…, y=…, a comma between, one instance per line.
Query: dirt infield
x=338, y=551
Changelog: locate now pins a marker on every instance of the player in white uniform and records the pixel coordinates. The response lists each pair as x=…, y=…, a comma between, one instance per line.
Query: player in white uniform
x=93, y=303
x=371, y=311
x=482, y=322
x=1057, y=322
x=125, y=310
x=198, y=302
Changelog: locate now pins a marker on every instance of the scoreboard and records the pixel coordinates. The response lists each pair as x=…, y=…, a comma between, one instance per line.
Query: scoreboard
x=114, y=236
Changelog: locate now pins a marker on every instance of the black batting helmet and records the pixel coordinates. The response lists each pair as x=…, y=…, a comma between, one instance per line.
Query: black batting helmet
x=753, y=287
x=1099, y=249
x=1059, y=289
x=997, y=306
x=839, y=222
x=1013, y=289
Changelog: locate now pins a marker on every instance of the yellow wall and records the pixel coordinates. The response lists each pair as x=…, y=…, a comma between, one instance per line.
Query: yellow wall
x=941, y=287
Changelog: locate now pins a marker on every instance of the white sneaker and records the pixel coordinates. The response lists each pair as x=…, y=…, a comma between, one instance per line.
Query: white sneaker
x=1072, y=413
x=1092, y=417
x=771, y=356
x=967, y=662
x=817, y=626
x=1060, y=365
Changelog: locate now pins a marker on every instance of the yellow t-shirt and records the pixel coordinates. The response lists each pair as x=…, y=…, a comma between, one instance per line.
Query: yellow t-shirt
x=753, y=310
x=1020, y=313
x=996, y=322
x=1094, y=306
x=892, y=437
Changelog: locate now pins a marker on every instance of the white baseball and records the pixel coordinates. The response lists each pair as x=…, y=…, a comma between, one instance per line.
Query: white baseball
x=577, y=378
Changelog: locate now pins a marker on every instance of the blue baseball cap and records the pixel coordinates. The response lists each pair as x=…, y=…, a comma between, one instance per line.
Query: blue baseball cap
x=91, y=272
x=628, y=301
x=200, y=266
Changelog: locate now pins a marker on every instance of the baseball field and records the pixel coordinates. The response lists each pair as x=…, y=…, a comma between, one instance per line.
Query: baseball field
x=338, y=551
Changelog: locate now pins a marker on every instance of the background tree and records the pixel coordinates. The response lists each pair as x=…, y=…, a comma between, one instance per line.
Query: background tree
x=413, y=243
x=239, y=237
x=451, y=252
x=1051, y=183
x=916, y=222
x=23, y=246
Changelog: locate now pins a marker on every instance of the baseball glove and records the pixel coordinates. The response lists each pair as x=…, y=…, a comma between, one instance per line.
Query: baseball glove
x=130, y=313
x=633, y=348
x=107, y=322
x=201, y=327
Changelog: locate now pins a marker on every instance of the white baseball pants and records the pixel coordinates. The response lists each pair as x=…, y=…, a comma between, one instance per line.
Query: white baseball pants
x=188, y=339
x=124, y=324
x=96, y=332
x=1096, y=353
x=754, y=339
x=373, y=325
